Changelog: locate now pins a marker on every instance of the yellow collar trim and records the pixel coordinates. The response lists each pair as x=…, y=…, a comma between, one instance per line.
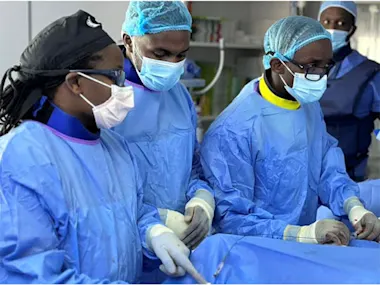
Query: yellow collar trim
x=275, y=100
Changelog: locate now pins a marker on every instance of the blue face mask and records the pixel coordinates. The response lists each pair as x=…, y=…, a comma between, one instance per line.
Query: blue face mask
x=305, y=91
x=338, y=39
x=159, y=75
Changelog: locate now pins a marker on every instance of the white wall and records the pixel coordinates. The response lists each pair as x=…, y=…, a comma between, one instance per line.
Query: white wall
x=110, y=13
x=232, y=10
x=13, y=33
x=265, y=13
x=14, y=22
x=255, y=17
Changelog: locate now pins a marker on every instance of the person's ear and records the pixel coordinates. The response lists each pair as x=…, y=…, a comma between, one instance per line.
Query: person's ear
x=277, y=66
x=72, y=82
x=127, y=41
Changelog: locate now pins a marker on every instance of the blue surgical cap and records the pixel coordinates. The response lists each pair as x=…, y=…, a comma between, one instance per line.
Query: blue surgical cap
x=152, y=17
x=349, y=6
x=288, y=35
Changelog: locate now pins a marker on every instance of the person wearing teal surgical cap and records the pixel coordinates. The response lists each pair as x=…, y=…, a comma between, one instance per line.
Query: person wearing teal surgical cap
x=268, y=155
x=351, y=102
x=161, y=129
x=71, y=200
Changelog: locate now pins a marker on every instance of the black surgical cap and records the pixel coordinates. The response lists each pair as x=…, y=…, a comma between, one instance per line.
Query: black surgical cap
x=63, y=43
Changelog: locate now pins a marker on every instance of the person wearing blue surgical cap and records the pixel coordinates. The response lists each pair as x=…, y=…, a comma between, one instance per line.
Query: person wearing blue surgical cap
x=161, y=129
x=351, y=102
x=71, y=200
x=269, y=157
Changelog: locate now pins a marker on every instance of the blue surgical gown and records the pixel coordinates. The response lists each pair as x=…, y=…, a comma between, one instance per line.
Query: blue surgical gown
x=161, y=133
x=370, y=99
x=270, y=166
x=71, y=209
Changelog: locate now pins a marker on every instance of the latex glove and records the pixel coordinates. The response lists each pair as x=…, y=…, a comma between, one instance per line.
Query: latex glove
x=321, y=232
x=173, y=220
x=368, y=227
x=173, y=254
x=366, y=224
x=199, y=213
x=332, y=232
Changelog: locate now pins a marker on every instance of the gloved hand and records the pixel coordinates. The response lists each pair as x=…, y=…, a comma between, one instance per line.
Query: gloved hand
x=199, y=213
x=198, y=228
x=366, y=224
x=332, y=232
x=172, y=253
x=173, y=220
x=321, y=232
x=368, y=228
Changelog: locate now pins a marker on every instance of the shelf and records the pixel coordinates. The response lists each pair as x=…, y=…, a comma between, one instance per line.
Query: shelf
x=194, y=83
x=227, y=45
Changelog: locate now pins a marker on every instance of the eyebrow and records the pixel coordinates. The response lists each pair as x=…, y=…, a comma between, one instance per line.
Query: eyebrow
x=168, y=51
x=318, y=61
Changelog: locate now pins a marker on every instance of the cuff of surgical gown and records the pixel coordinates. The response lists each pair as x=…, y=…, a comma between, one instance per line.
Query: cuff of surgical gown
x=305, y=234
x=355, y=210
x=291, y=233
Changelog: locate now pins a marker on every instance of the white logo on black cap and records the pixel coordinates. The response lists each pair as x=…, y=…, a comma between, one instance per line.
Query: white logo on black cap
x=92, y=24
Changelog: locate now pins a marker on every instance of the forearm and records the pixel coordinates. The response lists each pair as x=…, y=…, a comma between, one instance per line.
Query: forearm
x=259, y=223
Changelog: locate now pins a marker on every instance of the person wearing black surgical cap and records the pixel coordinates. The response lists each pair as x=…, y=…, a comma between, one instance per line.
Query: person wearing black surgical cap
x=71, y=208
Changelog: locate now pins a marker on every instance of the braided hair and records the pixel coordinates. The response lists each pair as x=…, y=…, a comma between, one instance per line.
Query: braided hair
x=17, y=100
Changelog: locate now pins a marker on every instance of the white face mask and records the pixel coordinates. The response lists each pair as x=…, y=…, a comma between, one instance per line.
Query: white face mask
x=113, y=111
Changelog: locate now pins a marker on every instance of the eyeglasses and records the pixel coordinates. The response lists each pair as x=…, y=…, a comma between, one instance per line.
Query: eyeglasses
x=116, y=75
x=312, y=71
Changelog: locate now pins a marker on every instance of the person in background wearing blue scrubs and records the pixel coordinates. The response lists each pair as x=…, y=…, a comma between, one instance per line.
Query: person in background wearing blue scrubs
x=269, y=157
x=71, y=207
x=161, y=129
x=351, y=102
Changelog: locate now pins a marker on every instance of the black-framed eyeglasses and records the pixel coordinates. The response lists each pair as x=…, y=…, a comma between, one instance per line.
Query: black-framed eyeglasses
x=312, y=71
x=116, y=75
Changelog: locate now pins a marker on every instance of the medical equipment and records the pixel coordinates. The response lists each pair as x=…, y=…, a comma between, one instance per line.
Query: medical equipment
x=218, y=73
x=198, y=93
x=221, y=264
